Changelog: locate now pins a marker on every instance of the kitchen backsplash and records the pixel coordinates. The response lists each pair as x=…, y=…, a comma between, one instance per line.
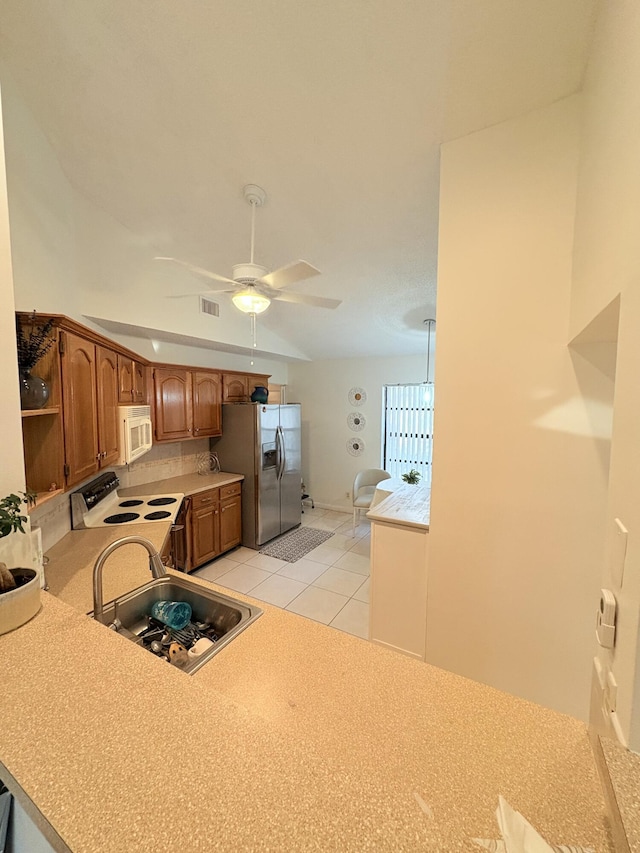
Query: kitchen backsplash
x=163, y=460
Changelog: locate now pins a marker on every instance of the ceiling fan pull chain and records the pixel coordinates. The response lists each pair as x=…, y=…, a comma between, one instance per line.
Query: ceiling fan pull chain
x=252, y=315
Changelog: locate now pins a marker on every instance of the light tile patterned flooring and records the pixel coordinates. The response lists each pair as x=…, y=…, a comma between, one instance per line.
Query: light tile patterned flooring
x=329, y=584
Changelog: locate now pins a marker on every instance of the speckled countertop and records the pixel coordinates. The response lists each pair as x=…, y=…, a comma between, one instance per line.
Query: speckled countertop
x=408, y=506
x=186, y=484
x=623, y=768
x=295, y=737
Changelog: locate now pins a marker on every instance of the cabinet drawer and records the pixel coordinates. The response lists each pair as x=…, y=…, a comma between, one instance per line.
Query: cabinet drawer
x=230, y=491
x=203, y=499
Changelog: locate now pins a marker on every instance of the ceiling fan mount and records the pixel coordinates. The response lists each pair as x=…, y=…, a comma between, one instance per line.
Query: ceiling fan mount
x=254, y=194
x=270, y=285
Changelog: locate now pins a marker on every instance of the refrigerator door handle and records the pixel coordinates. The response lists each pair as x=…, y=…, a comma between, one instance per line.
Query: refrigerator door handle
x=282, y=456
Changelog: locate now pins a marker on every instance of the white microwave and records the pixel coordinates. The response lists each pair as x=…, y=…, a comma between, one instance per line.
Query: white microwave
x=135, y=432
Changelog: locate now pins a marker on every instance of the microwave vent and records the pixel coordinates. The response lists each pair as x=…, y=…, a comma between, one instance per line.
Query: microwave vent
x=137, y=411
x=209, y=307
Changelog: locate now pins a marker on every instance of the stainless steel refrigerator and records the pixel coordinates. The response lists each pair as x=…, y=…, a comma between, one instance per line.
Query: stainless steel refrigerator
x=262, y=441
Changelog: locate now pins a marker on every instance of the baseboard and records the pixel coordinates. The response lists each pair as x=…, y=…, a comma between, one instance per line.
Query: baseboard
x=335, y=508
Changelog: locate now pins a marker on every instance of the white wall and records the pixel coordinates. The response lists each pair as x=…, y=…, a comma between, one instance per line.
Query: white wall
x=11, y=467
x=518, y=480
x=15, y=550
x=322, y=388
x=607, y=263
x=70, y=257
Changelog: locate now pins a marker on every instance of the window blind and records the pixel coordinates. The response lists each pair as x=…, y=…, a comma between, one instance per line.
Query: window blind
x=408, y=429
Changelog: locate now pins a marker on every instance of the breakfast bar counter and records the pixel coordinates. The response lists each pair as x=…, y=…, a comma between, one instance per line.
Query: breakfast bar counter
x=294, y=737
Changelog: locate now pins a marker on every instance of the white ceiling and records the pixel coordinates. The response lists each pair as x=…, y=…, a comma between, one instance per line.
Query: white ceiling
x=159, y=112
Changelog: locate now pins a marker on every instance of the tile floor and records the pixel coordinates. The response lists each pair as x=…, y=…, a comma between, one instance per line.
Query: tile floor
x=329, y=584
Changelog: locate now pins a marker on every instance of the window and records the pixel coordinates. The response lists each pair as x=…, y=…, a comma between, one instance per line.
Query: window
x=408, y=429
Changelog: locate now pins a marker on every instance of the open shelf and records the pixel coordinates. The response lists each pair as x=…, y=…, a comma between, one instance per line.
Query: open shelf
x=49, y=410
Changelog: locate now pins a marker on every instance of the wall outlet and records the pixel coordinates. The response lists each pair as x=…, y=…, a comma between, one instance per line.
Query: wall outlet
x=347, y=494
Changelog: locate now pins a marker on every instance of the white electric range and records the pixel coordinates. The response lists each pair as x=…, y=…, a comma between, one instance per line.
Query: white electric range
x=97, y=504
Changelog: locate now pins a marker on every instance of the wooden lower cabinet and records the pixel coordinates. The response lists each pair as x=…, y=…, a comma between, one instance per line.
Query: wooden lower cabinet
x=215, y=524
x=230, y=517
x=205, y=527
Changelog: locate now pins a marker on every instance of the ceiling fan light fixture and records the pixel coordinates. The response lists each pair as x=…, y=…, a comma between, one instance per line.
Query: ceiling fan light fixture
x=250, y=301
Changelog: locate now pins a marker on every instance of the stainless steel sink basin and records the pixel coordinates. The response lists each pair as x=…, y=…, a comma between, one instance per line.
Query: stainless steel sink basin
x=224, y=617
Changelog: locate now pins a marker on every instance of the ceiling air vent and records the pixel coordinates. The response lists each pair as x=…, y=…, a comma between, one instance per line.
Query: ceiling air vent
x=209, y=307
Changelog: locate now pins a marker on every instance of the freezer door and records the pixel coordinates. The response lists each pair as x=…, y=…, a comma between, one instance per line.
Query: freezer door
x=290, y=467
x=268, y=492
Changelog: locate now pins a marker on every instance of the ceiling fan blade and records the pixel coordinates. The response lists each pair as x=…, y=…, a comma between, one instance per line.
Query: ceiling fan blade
x=306, y=299
x=199, y=271
x=289, y=274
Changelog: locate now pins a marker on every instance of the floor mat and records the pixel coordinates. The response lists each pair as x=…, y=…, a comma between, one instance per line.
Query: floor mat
x=296, y=543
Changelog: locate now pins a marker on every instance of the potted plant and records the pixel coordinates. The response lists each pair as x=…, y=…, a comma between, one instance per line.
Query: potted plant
x=412, y=477
x=19, y=588
x=32, y=346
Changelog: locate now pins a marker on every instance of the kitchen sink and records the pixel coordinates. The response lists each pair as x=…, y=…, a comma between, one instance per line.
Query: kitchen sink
x=215, y=616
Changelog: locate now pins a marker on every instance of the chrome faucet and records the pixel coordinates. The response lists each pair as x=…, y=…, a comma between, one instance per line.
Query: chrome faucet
x=155, y=564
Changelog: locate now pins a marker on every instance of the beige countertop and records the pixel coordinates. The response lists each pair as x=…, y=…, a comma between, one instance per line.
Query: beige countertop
x=186, y=484
x=623, y=777
x=294, y=737
x=406, y=506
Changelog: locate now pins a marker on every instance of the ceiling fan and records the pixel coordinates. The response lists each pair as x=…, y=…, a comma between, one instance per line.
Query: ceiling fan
x=252, y=285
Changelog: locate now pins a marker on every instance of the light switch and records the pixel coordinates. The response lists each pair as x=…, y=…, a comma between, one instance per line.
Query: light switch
x=618, y=552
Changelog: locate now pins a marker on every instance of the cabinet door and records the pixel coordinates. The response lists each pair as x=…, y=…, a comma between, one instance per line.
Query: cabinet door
x=234, y=388
x=107, y=395
x=126, y=380
x=207, y=413
x=140, y=391
x=230, y=521
x=132, y=381
x=79, y=407
x=174, y=407
x=205, y=526
x=253, y=381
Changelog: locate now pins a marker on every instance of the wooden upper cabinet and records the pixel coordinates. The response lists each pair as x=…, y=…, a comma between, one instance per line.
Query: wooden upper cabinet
x=174, y=404
x=234, y=388
x=107, y=399
x=238, y=387
x=187, y=403
x=207, y=415
x=132, y=382
x=79, y=397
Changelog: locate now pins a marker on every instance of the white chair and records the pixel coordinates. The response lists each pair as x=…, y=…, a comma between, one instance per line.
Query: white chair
x=364, y=486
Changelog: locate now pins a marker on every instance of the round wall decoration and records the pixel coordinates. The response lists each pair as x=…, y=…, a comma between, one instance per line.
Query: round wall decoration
x=356, y=421
x=355, y=446
x=357, y=396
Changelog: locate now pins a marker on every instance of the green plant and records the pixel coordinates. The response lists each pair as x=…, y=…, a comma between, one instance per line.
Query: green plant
x=11, y=520
x=35, y=344
x=412, y=477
